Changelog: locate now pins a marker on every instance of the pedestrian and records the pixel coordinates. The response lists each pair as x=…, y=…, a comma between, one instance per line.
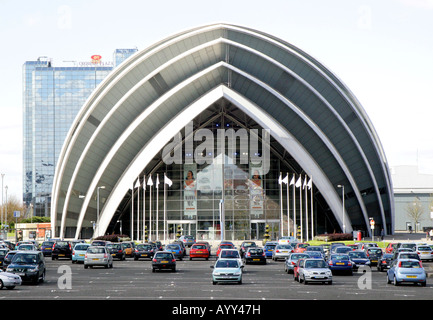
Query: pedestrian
x=431, y=234
x=382, y=234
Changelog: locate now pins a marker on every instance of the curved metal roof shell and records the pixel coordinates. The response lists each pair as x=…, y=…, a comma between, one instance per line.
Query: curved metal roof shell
x=144, y=102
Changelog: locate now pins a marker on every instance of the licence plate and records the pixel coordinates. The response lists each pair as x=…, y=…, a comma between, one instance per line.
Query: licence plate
x=61, y=255
x=113, y=254
x=410, y=276
x=373, y=260
x=81, y=255
x=95, y=259
x=340, y=263
x=144, y=255
x=164, y=261
x=256, y=259
x=200, y=252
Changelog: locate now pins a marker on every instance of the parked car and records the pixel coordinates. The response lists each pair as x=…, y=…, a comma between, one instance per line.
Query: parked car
x=128, y=248
x=359, y=259
x=314, y=270
x=187, y=240
x=343, y=249
x=207, y=244
x=340, y=263
x=314, y=254
x=27, y=247
x=116, y=250
x=79, y=252
x=47, y=248
x=29, y=265
x=282, y=251
x=406, y=271
x=287, y=240
x=384, y=262
x=269, y=248
x=163, y=260
x=408, y=245
x=199, y=250
x=176, y=249
x=231, y=254
x=227, y=270
x=224, y=245
x=301, y=247
x=98, y=256
x=145, y=251
x=391, y=247
x=8, y=258
x=255, y=255
x=9, y=280
x=61, y=249
x=99, y=243
x=291, y=261
x=374, y=254
x=182, y=247
x=296, y=269
x=424, y=252
x=407, y=255
x=245, y=245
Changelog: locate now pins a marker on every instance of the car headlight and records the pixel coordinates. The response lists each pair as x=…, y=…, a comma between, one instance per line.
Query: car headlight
x=9, y=269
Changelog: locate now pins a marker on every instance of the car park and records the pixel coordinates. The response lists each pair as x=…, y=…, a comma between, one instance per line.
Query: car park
x=314, y=270
x=163, y=260
x=359, y=259
x=79, y=252
x=255, y=255
x=176, y=249
x=281, y=252
x=374, y=254
x=116, y=250
x=61, y=249
x=269, y=247
x=245, y=245
x=144, y=251
x=385, y=261
x=98, y=256
x=424, y=252
x=340, y=263
x=29, y=265
x=9, y=280
x=227, y=270
x=47, y=248
x=291, y=261
x=199, y=250
x=406, y=271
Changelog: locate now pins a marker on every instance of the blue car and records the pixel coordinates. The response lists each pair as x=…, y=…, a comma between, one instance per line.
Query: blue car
x=269, y=248
x=79, y=252
x=359, y=259
x=340, y=263
x=175, y=249
x=406, y=270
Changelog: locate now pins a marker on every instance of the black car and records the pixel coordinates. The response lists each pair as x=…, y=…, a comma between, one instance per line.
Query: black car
x=8, y=258
x=163, y=260
x=245, y=245
x=3, y=253
x=47, y=248
x=116, y=250
x=144, y=251
x=61, y=249
x=385, y=261
x=374, y=254
x=29, y=265
x=255, y=255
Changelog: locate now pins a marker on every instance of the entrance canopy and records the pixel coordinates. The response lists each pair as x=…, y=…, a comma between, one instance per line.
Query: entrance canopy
x=149, y=98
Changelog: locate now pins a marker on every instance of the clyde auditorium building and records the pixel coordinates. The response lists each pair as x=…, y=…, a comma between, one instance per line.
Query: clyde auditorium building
x=219, y=115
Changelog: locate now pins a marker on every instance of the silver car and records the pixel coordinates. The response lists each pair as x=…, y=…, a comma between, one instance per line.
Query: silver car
x=9, y=280
x=98, y=256
x=314, y=270
x=282, y=251
x=424, y=252
x=291, y=261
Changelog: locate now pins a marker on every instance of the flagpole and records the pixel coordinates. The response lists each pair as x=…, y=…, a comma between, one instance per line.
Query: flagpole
x=138, y=209
x=165, y=208
x=150, y=206
x=300, y=210
x=312, y=212
x=144, y=209
x=295, y=225
x=157, y=206
x=288, y=207
x=306, y=208
x=132, y=212
x=281, y=203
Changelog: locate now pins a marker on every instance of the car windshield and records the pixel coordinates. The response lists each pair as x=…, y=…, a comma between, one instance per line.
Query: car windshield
x=342, y=249
x=227, y=264
x=284, y=246
x=375, y=251
x=114, y=246
x=61, y=244
x=298, y=256
x=424, y=248
x=314, y=249
x=199, y=246
x=24, y=258
x=255, y=251
x=173, y=247
x=361, y=255
x=408, y=256
x=163, y=255
x=315, y=264
x=249, y=244
x=144, y=247
x=408, y=245
x=81, y=247
x=3, y=253
x=47, y=243
x=95, y=250
x=339, y=257
x=229, y=254
x=409, y=264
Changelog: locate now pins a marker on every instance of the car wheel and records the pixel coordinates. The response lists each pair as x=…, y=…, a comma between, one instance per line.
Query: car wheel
x=42, y=279
x=396, y=283
x=240, y=281
x=1, y=285
x=10, y=287
x=85, y=266
x=214, y=282
x=305, y=281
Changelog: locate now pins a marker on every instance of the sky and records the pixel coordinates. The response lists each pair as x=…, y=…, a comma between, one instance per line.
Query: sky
x=382, y=50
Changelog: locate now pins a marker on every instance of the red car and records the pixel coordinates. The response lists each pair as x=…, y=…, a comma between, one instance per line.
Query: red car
x=199, y=250
x=301, y=247
x=296, y=270
x=224, y=245
x=391, y=247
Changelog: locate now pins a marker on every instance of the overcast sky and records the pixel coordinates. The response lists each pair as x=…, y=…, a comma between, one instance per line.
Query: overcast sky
x=382, y=50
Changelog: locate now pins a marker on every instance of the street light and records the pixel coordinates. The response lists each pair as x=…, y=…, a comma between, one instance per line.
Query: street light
x=97, y=206
x=342, y=195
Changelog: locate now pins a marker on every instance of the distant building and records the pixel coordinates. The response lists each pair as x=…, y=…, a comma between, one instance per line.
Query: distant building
x=52, y=97
x=411, y=188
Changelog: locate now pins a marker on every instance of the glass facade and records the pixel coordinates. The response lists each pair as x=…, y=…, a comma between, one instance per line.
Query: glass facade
x=52, y=97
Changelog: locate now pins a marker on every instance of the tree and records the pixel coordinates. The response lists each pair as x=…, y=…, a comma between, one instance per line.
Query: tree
x=13, y=204
x=415, y=211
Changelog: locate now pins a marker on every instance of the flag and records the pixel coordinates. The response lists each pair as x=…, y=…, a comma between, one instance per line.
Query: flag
x=167, y=181
x=286, y=179
x=157, y=181
x=293, y=180
x=137, y=183
x=280, y=179
x=299, y=182
x=144, y=184
x=150, y=182
x=305, y=183
x=310, y=183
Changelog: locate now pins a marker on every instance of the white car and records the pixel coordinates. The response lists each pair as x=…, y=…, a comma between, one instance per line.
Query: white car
x=9, y=280
x=98, y=256
x=424, y=252
x=286, y=240
x=227, y=270
x=231, y=254
x=314, y=270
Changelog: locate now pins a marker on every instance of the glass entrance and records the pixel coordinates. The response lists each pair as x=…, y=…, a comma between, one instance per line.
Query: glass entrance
x=181, y=226
x=258, y=229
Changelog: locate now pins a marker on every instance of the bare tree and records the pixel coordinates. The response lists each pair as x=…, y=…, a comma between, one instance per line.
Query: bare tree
x=415, y=211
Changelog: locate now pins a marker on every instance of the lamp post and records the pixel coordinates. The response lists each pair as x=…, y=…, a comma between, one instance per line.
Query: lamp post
x=342, y=195
x=97, y=206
